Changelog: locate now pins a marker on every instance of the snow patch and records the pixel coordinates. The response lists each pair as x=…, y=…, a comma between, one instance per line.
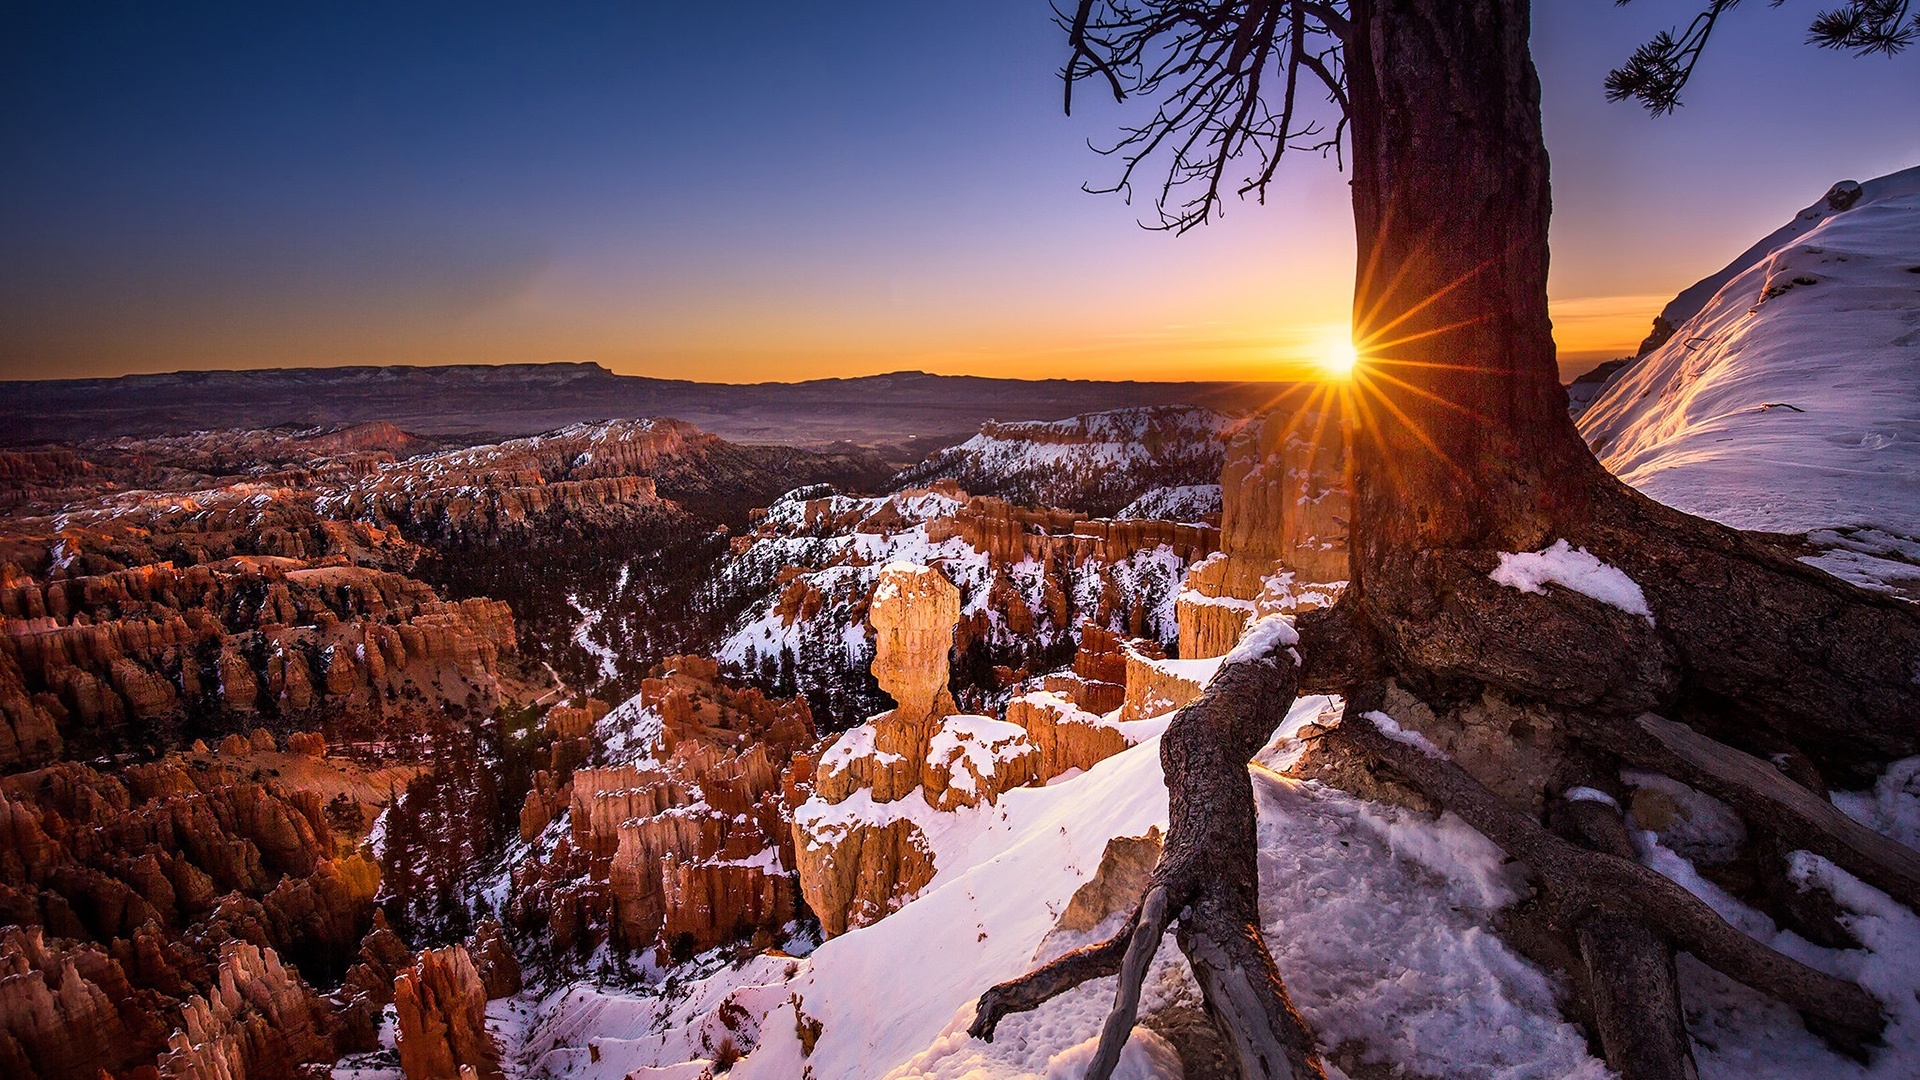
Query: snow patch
x=1391, y=729
x=1260, y=640
x=1572, y=568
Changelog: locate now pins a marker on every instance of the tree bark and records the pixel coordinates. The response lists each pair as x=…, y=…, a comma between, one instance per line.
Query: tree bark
x=1207, y=883
x=1464, y=439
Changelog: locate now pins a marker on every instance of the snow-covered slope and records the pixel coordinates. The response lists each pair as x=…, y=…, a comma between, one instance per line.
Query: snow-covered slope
x=1183, y=502
x=1096, y=463
x=1789, y=399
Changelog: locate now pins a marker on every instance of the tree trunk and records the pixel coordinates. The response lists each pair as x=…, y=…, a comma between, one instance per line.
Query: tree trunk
x=1464, y=435
x=1463, y=448
x=1463, y=451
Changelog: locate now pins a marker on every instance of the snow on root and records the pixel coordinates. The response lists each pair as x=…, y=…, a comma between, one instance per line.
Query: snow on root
x=1572, y=568
x=1262, y=638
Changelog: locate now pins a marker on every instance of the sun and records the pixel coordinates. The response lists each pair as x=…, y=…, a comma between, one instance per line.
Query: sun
x=1336, y=355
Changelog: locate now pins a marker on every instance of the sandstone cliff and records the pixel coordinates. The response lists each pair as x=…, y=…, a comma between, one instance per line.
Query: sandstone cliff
x=1283, y=531
x=440, y=1008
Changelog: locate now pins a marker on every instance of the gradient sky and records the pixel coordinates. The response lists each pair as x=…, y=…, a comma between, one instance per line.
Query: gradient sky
x=758, y=191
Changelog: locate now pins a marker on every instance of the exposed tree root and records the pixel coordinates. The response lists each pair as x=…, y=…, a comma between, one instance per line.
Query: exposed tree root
x=1766, y=797
x=1635, y=989
x=1207, y=884
x=1596, y=673
x=1581, y=885
x=1151, y=927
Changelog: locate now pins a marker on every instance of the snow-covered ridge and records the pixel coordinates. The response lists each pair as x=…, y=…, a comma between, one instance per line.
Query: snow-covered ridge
x=1789, y=401
x=1097, y=462
x=1181, y=502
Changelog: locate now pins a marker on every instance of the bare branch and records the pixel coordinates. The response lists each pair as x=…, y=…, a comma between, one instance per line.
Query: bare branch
x=1209, y=66
x=1154, y=916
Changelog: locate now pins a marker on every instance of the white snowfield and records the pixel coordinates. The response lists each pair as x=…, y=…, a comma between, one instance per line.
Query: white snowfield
x=1788, y=399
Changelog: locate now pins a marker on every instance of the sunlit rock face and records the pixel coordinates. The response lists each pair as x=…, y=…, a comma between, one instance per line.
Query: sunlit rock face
x=1064, y=735
x=1006, y=534
x=913, y=613
x=1097, y=463
x=1283, y=531
x=682, y=842
x=440, y=1009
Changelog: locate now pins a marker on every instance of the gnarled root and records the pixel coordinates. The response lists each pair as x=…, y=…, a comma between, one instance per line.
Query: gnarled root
x=1206, y=883
x=1636, y=991
x=1765, y=797
x=1581, y=886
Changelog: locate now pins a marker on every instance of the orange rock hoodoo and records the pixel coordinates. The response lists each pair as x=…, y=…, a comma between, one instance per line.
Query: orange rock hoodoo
x=1283, y=531
x=688, y=847
x=440, y=1010
x=860, y=851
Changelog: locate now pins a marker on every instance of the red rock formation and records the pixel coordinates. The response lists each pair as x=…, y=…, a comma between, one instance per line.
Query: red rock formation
x=440, y=1005
x=259, y=1021
x=686, y=848
x=68, y=1012
x=855, y=872
x=860, y=854
x=1008, y=534
x=1064, y=736
x=1098, y=680
x=368, y=986
x=313, y=643
x=913, y=611
x=1156, y=687
x=493, y=956
x=196, y=880
x=1283, y=531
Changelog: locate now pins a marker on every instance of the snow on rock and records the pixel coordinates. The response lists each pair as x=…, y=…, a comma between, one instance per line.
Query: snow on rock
x=1097, y=462
x=975, y=750
x=1184, y=502
x=1380, y=918
x=1892, y=806
x=1573, y=568
x=1786, y=399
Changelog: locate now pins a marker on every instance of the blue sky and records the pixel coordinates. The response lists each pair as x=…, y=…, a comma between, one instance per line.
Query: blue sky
x=776, y=191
